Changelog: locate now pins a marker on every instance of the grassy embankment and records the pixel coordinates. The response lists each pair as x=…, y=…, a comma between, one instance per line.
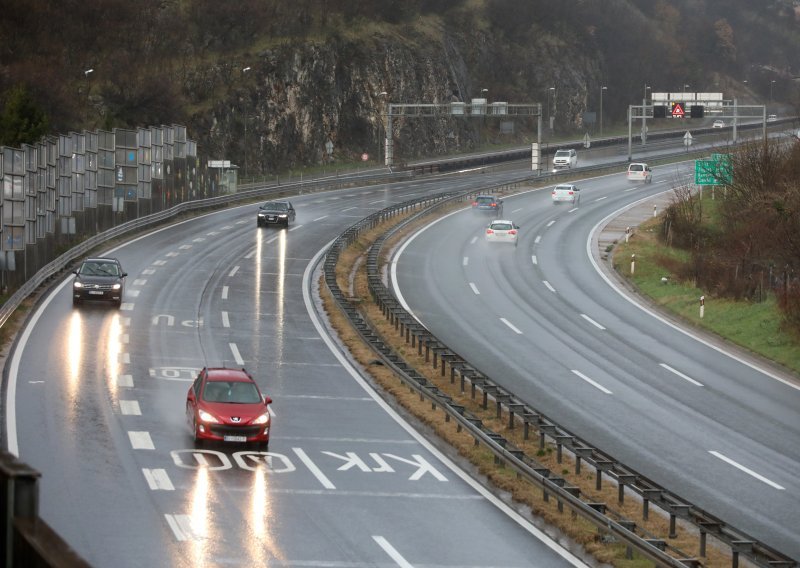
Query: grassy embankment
x=756, y=326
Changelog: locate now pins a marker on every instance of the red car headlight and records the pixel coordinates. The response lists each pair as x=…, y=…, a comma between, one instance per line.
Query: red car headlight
x=206, y=417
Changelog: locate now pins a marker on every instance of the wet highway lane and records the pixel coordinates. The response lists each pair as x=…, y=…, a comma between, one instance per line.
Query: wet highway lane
x=99, y=407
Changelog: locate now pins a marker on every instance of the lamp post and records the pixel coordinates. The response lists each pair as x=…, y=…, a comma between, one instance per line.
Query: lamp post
x=601, y=109
x=245, y=70
x=483, y=114
x=382, y=129
x=86, y=74
x=771, y=83
x=644, y=104
x=550, y=117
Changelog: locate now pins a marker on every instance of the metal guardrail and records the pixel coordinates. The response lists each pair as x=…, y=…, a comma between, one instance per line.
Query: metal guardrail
x=518, y=411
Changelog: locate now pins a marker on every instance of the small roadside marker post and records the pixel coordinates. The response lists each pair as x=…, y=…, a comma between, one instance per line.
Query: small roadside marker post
x=627, y=234
x=633, y=263
x=702, y=306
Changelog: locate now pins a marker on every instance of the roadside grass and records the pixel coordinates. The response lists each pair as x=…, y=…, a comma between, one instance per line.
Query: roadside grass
x=351, y=278
x=755, y=326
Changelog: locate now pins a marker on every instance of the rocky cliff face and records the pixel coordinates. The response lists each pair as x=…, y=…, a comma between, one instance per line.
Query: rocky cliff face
x=296, y=98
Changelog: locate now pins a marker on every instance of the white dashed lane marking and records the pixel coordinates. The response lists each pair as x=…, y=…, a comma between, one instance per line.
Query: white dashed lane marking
x=130, y=407
x=681, y=375
x=141, y=441
x=225, y=321
x=236, y=355
x=511, y=326
x=158, y=480
x=747, y=470
x=595, y=384
x=591, y=321
x=474, y=288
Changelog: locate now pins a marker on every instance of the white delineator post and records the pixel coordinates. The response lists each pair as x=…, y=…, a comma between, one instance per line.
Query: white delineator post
x=627, y=234
x=702, y=306
x=633, y=263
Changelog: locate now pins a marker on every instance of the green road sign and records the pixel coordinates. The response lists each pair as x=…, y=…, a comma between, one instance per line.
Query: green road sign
x=716, y=171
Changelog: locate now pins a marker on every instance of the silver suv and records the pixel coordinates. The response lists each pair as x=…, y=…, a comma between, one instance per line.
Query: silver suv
x=565, y=159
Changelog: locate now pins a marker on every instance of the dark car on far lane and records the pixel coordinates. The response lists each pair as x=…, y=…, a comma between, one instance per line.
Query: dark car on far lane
x=487, y=204
x=275, y=213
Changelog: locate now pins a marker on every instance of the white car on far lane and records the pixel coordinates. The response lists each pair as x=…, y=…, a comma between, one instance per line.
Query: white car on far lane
x=502, y=231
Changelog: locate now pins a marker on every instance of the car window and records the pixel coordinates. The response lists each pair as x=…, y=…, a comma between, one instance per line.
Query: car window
x=501, y=226
x=232, y=392
x=562, y=153
x=485, y=200
x=244, y=393
x=636, y=168
x=89, y=269
x=277, y=206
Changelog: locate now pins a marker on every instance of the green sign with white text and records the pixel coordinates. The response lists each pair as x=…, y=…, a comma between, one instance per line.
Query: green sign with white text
x=716, y=171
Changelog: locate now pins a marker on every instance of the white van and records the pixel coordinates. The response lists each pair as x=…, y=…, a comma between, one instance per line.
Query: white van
x=639, y=171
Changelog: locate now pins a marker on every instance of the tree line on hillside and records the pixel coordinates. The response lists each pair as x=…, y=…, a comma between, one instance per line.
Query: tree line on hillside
x=753, y=245
x=142, y=53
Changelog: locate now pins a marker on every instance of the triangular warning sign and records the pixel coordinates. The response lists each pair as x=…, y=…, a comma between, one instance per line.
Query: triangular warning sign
x=677, y=111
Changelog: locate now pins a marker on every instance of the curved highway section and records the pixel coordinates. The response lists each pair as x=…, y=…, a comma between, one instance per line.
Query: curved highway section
x=542, y=321
x=96, y=401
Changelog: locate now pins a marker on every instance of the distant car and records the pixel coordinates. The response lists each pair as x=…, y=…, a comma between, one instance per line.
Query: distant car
x=566, y=192
x=565, y=159
x=99, y=278
x=275, y=213
x=226, y=405
x=718, y=124
x=502, y=231
x=772, y=118
x=638, y=171
x=487, y=204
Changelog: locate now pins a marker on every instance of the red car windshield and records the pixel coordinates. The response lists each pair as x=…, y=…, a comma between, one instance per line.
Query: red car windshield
x=235, y=392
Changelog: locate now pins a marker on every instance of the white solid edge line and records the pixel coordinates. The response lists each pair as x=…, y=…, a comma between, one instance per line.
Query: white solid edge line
x=649, y=312
x=480, y=489
x=747, y=470
x=392, y=552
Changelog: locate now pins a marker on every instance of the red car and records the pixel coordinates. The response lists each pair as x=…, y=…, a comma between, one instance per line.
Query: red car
x=226, y=405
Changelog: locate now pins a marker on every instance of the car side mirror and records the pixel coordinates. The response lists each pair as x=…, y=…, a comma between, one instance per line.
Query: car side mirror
x=75, y=272
x=190, y=396
x=123, y=275
x=267, y=400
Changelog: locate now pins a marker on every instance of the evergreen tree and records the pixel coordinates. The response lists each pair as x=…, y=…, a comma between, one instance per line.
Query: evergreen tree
x=22, y=121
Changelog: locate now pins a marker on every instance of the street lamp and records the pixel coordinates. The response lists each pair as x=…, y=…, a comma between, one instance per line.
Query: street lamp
x=550, y=117
x=382, y=130
x=770, y=90
x=644, y=104
x=601, y=109
x=245, y=70
x=483, y=114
